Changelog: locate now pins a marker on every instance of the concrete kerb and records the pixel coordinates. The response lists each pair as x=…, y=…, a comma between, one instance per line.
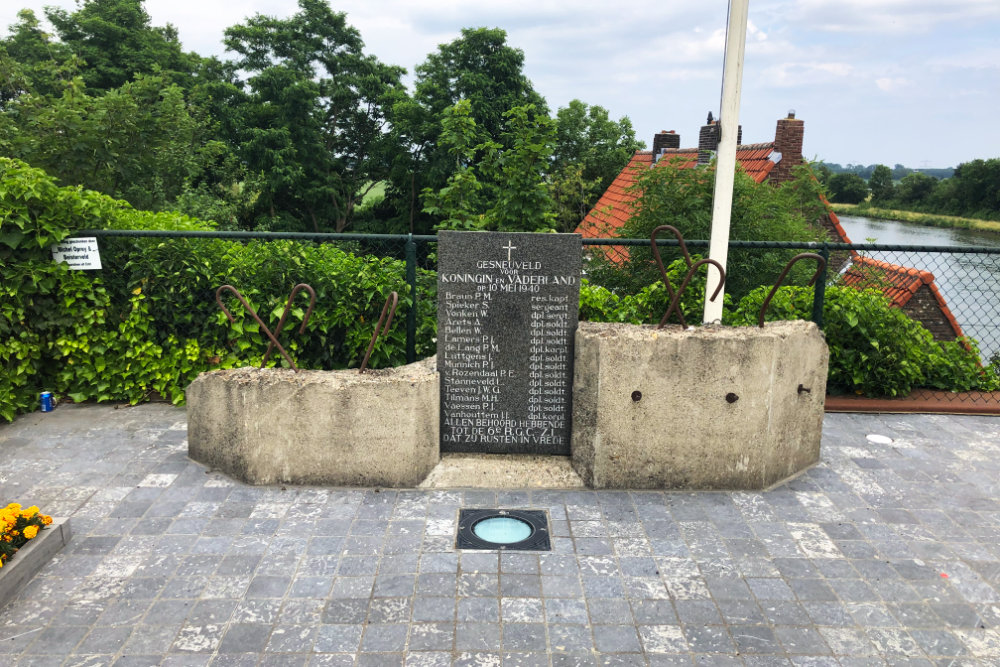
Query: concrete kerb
x=337, y=428
x=705, y=408
x=32, y=557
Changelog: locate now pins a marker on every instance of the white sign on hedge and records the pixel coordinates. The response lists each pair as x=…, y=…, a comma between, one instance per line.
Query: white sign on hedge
x=79, y=253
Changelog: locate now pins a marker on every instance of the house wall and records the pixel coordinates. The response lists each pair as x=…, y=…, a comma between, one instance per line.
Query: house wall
x=924, y=308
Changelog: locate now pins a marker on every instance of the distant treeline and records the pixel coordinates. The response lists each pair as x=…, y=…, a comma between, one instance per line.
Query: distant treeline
x=899, y=172
x=971, y=191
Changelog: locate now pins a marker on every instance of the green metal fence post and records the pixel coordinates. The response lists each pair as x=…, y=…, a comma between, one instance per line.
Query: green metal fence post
x=411, y=314
x=820, y=294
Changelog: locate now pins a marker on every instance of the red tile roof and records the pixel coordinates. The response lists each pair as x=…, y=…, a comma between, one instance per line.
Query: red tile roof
x=842, y=236
x=898, y=283
x=614, y=207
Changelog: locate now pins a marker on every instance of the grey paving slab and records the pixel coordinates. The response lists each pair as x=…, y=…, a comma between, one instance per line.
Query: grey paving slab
x=882, y=554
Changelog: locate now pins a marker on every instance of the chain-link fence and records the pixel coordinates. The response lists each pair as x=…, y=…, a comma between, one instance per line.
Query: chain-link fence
x=954, y=292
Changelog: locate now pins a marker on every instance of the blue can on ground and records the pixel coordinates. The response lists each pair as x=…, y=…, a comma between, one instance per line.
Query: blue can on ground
x=47, y=402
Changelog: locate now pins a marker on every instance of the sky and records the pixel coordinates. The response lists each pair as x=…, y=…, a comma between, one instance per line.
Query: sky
x=915, y=82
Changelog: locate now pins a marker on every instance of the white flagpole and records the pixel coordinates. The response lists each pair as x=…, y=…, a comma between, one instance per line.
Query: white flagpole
x=725, y=166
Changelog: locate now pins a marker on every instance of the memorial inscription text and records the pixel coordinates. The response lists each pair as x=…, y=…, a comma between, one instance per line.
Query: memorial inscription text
x=507, y=314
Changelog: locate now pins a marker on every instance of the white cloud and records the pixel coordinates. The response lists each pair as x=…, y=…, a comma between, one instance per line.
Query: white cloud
x=889, y=84
x=888, y=16
x=984, y=58
x=789, y=74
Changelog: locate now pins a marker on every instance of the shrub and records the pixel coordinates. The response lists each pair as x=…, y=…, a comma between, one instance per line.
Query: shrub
x=647, y=306
x=875, y=350
x=148, y=323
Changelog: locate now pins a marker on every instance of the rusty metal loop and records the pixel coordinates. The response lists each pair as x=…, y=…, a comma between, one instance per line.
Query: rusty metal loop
x=288, y=307
x=781, y=279
x=273, y=337
x=680, y=240
x=659, y=260
x=675, y=304
x=394, y=299
x=255, y=316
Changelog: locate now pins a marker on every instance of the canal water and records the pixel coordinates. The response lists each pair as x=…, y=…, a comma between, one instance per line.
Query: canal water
x=969, y=283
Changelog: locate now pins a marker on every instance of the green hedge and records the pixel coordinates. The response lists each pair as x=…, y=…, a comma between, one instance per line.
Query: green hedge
x=599, y=304
x=148, y=321
x=875, y=350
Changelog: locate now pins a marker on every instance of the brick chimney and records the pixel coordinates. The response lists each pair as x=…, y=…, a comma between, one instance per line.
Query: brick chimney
x=788, y=142
x=664, y=140
x=708, y=140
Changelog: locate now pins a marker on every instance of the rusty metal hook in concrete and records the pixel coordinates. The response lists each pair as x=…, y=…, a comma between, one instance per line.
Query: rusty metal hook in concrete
x=675, y=303
x=253, y=313
x=781, y=279
x=394, y=300
x=288, y=307
x=659, y=260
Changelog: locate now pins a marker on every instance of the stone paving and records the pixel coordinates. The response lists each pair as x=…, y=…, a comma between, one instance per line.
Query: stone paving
x=881, y=554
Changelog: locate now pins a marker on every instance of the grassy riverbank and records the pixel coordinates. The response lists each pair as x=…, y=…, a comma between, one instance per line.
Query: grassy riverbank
x=927, y=219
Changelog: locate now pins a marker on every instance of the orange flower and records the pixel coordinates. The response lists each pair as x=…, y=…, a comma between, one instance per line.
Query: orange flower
x=46, y=519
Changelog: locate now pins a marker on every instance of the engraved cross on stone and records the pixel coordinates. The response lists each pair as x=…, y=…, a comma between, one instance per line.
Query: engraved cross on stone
x=510, y=246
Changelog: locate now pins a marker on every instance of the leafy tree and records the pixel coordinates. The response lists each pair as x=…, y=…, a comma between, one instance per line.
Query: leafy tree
x=587, y=136
x=458, y=202
x=515, y=195
x=116, y=40
x=314, y=123
x=847, y=188
x=140, y=142
x=590, y=151
x=823, y=172
x=915, y=188
x=523, y=201
x=573, y=195
x=977, y=187
x=682, y=197
x=31, y=61
x=880, y=184
x=479, y=66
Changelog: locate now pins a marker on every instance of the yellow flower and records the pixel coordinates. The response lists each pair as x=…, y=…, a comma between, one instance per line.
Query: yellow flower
x=30, y=512
x=30, y=532
x=14, y=506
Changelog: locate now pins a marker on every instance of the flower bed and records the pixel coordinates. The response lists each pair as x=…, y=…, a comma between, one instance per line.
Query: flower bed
x=17, y=526
x=35, y=538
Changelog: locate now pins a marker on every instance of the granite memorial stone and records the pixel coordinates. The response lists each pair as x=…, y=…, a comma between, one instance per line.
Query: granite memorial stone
x=507, y=314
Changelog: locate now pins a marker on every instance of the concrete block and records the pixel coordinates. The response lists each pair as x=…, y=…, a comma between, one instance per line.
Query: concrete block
x=706, y=408
x=32, y=557
x=317, y=427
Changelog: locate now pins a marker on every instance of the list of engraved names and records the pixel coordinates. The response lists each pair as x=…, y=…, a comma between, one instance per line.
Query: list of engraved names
x=507, y=314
